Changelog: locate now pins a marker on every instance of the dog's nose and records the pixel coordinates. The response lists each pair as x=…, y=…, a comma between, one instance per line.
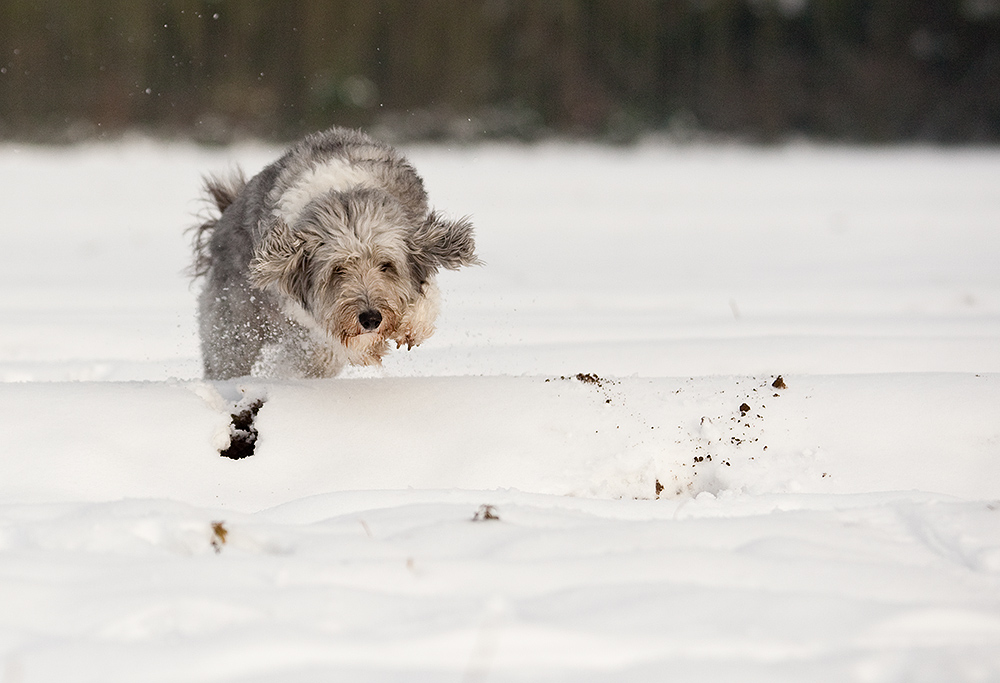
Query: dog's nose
x=370, y=319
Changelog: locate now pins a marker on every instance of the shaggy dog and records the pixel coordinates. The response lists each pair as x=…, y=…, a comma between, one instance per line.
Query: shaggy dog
x=321, y=259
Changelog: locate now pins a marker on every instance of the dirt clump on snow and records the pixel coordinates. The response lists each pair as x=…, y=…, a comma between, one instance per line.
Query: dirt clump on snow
x=219, y=533
x=586, y=378
x=485, y=513
x=243, y=433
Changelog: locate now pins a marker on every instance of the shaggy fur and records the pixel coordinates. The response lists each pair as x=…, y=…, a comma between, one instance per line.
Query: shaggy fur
x=321, y=259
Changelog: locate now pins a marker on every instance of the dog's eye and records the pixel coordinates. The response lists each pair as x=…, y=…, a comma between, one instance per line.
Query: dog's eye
x=387, y=267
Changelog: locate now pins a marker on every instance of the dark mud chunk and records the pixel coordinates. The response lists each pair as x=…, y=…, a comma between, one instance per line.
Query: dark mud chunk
x=779, y=383
x=243, y=433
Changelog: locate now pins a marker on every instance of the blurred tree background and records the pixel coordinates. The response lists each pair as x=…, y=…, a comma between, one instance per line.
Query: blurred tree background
x=214, y=70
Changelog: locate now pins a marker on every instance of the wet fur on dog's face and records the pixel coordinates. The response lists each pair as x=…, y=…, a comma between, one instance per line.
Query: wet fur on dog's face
x=355, y=266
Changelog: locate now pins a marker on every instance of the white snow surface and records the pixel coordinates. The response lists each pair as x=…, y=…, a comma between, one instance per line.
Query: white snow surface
x=604, y=383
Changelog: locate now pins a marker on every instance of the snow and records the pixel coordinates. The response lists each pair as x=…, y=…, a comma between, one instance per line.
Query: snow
x=604, y=382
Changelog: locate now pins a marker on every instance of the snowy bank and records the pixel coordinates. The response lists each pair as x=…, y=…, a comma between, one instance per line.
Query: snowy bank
x=583, y=435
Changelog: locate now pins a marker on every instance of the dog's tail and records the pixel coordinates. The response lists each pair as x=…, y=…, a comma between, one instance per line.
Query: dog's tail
x=220, y=192
x=223, y=191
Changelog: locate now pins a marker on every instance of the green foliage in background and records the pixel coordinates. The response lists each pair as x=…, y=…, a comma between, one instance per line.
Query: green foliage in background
x=860, y=70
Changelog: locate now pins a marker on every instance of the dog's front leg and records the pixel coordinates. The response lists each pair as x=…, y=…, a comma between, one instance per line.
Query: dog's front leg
x=417, y=323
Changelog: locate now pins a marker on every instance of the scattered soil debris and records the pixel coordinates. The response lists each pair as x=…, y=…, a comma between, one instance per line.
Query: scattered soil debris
x=219, y=533
x=594, y=380
x=243, y=433
x=484, y=513
x=587, y=378
x=659, y=489
x=744, y=409
x=779, y=383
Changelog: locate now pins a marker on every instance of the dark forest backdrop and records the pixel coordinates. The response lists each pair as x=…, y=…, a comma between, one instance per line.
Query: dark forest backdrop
x=855, y=70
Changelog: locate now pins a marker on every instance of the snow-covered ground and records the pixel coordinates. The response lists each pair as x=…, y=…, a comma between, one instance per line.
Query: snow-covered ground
x=605, y=383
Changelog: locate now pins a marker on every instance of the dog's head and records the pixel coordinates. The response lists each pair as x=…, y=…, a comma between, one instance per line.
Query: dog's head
x=356, y=263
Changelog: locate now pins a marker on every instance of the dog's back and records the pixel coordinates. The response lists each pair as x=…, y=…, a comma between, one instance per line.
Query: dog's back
x=341, y=160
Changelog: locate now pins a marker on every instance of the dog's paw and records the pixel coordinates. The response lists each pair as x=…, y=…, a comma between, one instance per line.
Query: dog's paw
x=417, y=324
x=413, y=335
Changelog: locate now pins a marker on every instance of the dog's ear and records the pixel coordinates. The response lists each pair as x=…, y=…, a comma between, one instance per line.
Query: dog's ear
x=442, y=243
x=282, y=260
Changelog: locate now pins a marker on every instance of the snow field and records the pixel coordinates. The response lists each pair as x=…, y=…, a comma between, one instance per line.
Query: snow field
x=391, y=585
x=604, y=382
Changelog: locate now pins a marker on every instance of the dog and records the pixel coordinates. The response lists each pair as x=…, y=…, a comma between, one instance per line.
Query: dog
x=320, y=260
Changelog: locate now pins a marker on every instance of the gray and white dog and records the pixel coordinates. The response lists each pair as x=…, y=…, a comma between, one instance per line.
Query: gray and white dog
x=321, y=259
